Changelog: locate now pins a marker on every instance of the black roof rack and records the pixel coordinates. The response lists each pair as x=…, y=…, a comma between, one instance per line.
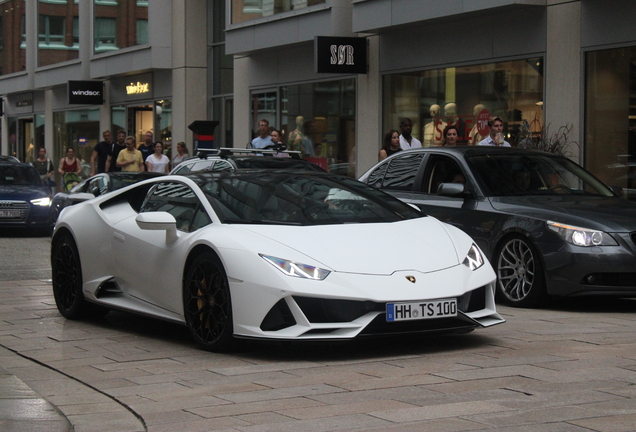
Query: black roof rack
x=225, y=152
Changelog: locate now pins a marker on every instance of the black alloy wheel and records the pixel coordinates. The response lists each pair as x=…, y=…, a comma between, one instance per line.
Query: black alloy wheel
x=67, y=280
x=207, y=305
x=520, y=280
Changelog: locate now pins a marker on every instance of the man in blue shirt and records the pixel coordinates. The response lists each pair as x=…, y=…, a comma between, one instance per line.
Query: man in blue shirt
x=263, y=140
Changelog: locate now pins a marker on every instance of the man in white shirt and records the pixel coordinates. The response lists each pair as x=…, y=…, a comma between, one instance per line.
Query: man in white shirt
x=263, y=139
x=408, y=142
x=495, y=138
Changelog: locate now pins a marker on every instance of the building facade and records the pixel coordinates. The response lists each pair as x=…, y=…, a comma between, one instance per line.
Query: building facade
x=551, y=69
x=149, y=56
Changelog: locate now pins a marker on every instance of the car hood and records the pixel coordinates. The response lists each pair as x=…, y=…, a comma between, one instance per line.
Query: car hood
x=603, y=213
x=23, y=193
x=376, y=248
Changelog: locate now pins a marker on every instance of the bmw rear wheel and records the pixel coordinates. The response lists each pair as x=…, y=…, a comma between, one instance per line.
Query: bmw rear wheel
x=520, y=280
x=67, y=280
x=207, y=304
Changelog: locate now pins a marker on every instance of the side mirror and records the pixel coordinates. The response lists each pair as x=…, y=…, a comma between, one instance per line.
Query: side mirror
x=96, y=191
x=450, y=189
x=80, y=197
x=159, y=221
x=618, y=191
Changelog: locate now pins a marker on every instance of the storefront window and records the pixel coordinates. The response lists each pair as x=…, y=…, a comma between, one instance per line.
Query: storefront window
x=247, y=10
x=78, y=129
x=12, y=41
x=119, y=24
x=317, y=119
x=58, y=31
x=462, y=95
x=610, y=117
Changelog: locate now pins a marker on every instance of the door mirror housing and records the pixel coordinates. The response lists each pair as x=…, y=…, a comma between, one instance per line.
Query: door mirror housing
x=160, y=221
x=451, y=189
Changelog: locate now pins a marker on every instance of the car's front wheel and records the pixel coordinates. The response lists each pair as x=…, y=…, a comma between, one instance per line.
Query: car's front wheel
x=67, y=280
x=520, y=280
x=207, y=304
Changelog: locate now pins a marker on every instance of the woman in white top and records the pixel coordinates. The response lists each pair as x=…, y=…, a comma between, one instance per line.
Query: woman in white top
x=158, y=162
x=183, y=154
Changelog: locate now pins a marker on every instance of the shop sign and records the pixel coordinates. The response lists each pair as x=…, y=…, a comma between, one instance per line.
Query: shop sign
x=138, y=88
x=86, y=92
x=482, y=123
x=341, y=55
x=24, y=103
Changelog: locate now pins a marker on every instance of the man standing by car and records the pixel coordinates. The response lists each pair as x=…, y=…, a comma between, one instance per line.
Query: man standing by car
x=101, y=151
x=406, y=140
x=496, y=137
x=120, y=144
x=130, y=160
x=148, y=147
x=263, y=139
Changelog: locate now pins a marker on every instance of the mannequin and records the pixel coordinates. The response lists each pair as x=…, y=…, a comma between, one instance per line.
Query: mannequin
x=433, y=129
x=450, y=112
x=297, y=135
x=474, y=136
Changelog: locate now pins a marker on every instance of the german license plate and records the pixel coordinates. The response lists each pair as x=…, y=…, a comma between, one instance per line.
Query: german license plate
x=421, y=310
x=9, y=213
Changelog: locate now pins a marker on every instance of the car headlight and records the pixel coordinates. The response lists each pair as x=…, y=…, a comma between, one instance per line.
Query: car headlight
x=474, y=258
x=291, y=268
x=581, y=236
x=44, y=202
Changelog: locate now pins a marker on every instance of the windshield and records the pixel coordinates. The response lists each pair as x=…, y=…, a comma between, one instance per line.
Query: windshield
x=19, y=175
x=533, y=174
x=296, y=199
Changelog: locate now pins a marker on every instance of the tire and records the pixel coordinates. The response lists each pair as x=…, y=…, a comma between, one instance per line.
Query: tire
x=67, y=281
x=207, y=305
x=520, y=276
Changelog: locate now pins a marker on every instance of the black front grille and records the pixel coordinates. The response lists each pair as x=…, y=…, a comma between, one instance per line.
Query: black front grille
x=380, y=326
x=279, y=317
x=610, y=279
x=319, y=310
x=14, y=211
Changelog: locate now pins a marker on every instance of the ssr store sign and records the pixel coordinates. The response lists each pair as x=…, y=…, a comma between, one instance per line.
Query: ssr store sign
x=342, y=55
x=86, y=92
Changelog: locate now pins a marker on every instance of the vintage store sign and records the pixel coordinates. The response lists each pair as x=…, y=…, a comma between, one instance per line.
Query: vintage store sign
x=342, y=55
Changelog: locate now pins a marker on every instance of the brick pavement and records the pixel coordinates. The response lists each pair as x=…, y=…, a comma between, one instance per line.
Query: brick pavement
x=568, y=368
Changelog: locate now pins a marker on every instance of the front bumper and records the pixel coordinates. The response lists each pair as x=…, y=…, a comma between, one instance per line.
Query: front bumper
x=599, y=270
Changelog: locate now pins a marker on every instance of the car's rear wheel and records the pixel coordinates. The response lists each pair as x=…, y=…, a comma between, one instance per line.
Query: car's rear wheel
x=67, y=280
x=520, y=279
x=207, y=304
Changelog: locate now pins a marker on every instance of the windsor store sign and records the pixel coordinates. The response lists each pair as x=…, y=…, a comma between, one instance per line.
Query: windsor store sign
x=342, y=55
x=86, y=92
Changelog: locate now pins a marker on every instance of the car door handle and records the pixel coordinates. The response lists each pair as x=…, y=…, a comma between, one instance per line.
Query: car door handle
x=119, y=237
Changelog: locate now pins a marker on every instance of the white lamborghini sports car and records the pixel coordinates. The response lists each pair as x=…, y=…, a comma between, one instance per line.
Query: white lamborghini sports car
x=271, y=255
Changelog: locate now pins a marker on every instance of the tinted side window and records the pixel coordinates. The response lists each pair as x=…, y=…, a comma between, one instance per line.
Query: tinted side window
x=442, y=169
x=402, y=171
x=181, y=202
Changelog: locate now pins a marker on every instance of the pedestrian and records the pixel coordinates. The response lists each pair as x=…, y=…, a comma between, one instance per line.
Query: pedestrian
x=120, y=144
x=451, y=135
x=70, y=168
x=263, y=139
x=44, y=167
x=148, y=146
x=406, y=140
x=130, y=160
x=182, y=154
x=390, y=144
x=495, y=137
x=101, y=151
x=158, y=162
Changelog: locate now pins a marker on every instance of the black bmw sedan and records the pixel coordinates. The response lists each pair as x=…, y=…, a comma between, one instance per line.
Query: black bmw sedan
x=549, y=227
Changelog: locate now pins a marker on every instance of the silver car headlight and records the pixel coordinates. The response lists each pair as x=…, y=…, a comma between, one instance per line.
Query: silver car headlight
x=581, y=236
x=474, y=259
x=44, y=202
x=291, y=268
